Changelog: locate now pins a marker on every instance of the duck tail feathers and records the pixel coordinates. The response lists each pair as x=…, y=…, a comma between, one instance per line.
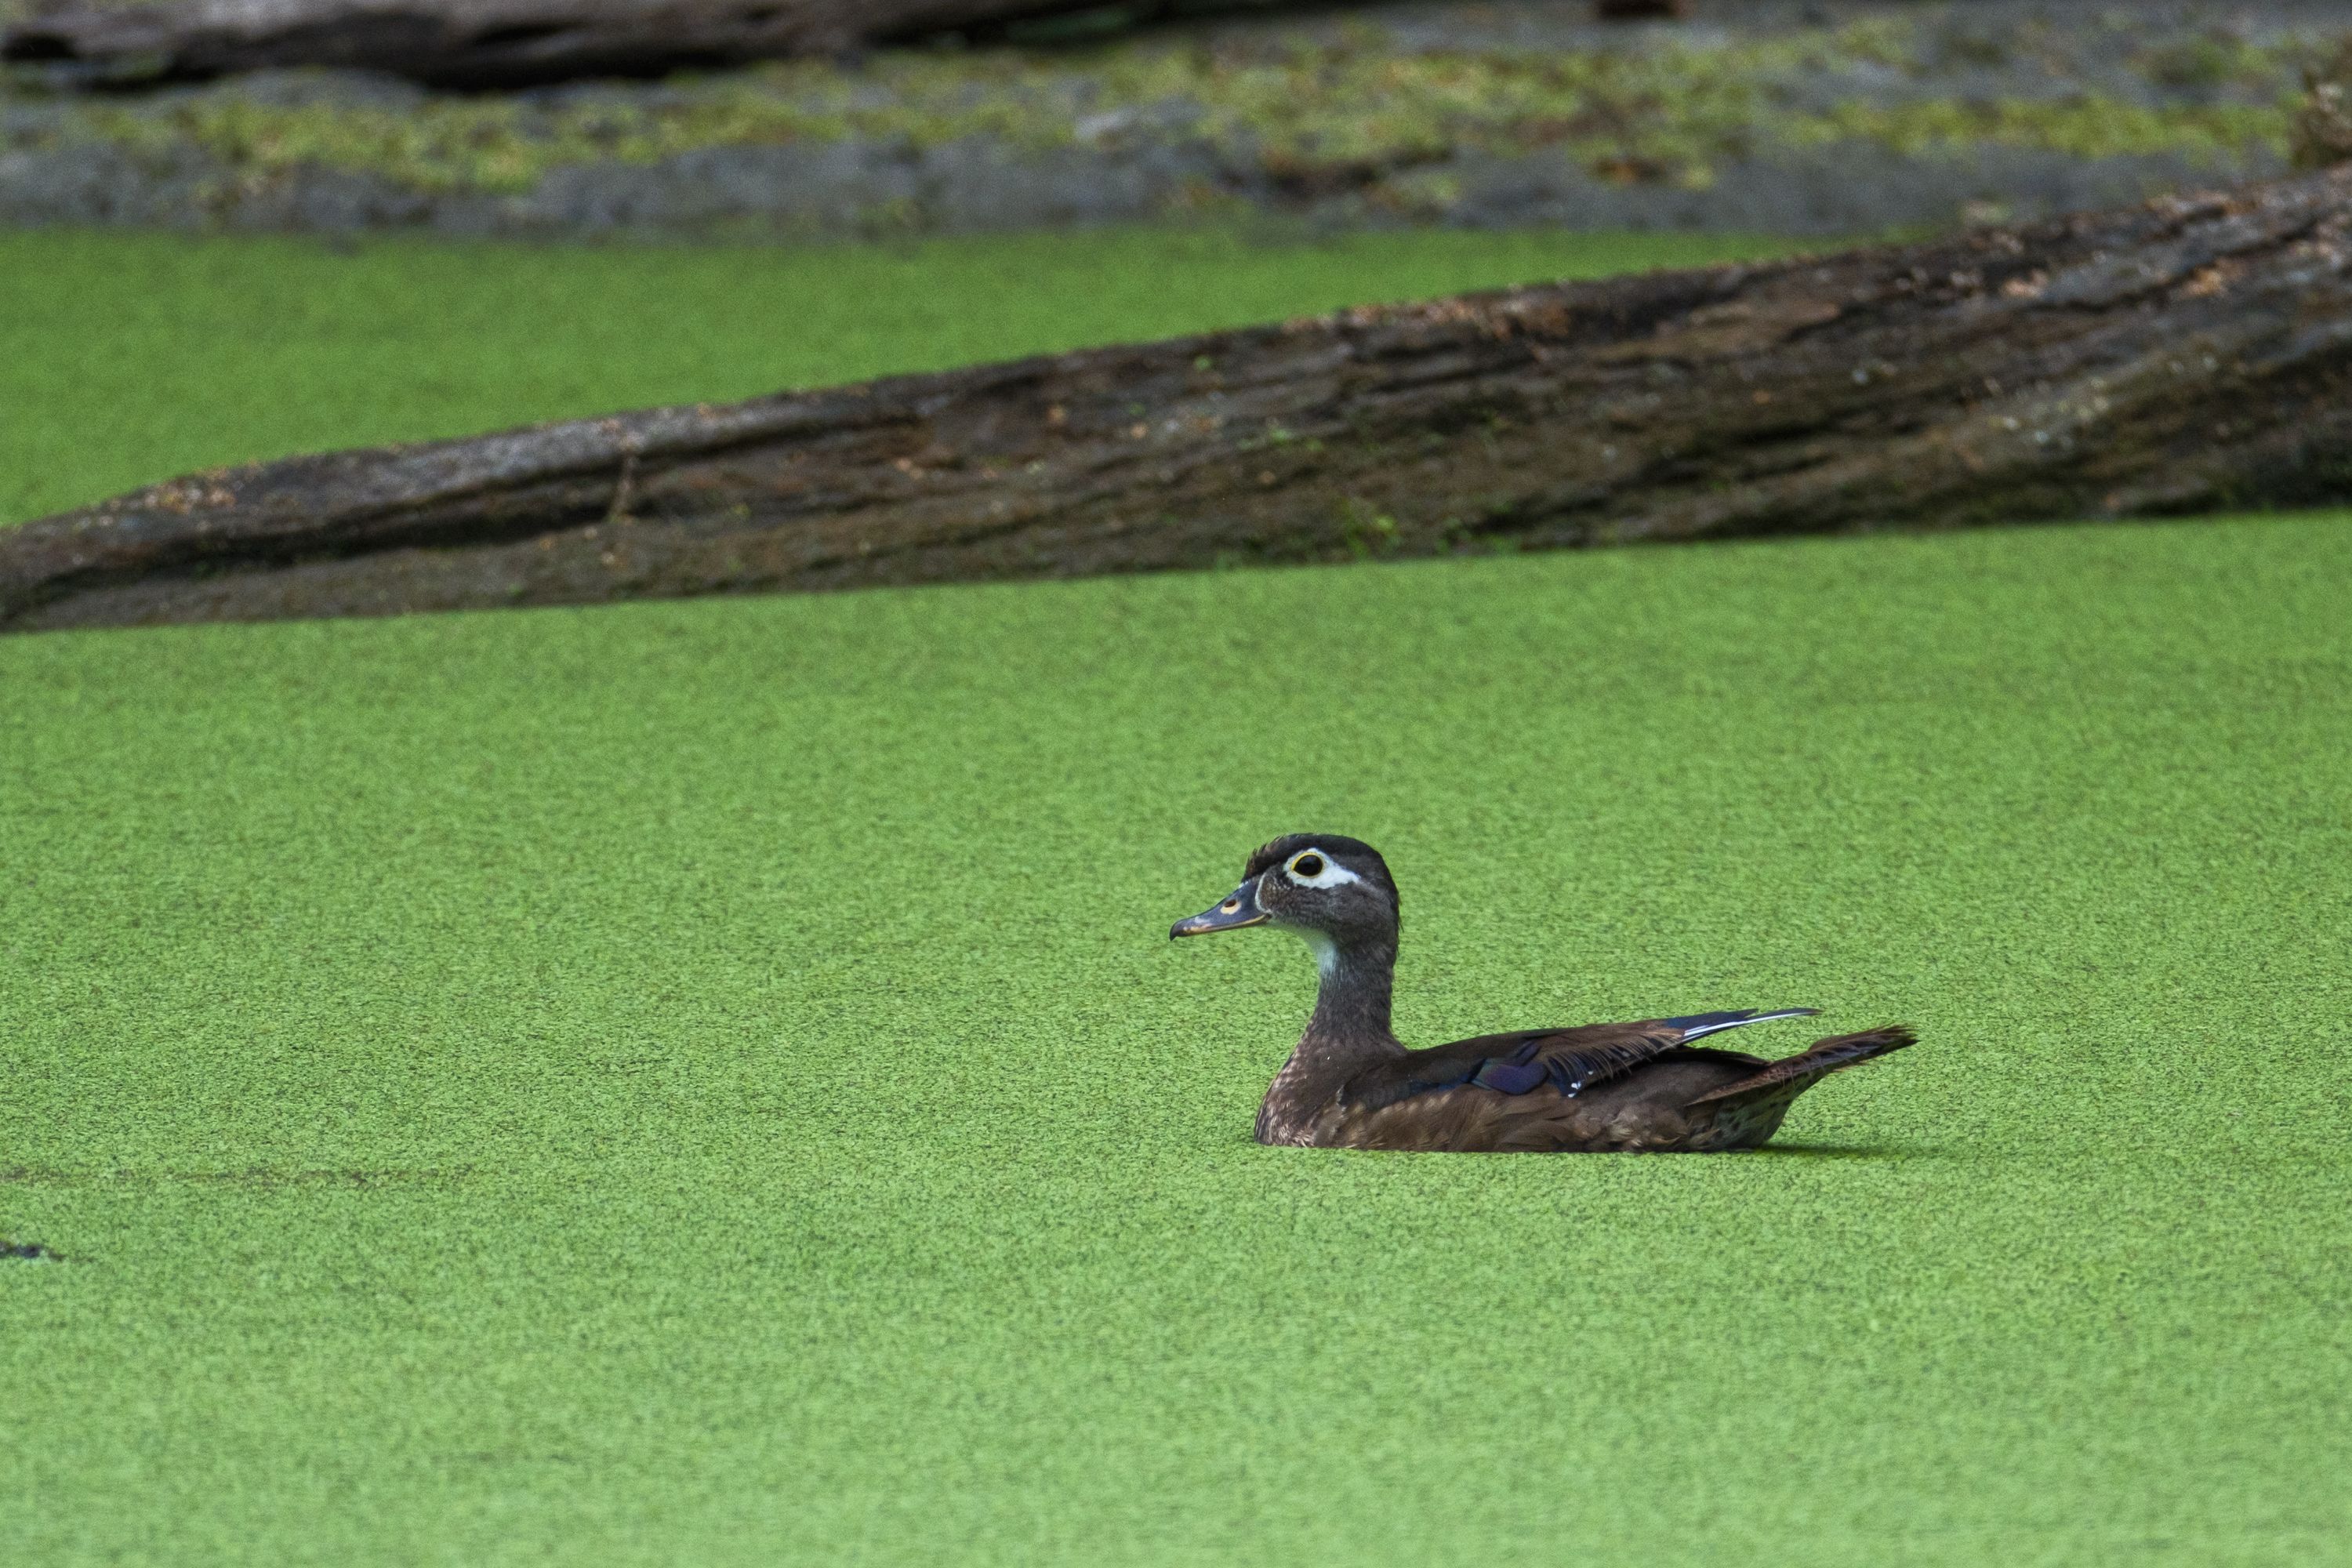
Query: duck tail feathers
x=1792, y=1076
x=1699, y=1024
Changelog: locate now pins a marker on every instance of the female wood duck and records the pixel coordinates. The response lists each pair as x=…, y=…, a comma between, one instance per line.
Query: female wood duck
x=1632, y=1086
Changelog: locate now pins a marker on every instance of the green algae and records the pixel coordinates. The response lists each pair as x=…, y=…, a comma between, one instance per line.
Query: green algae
x=707, y=1082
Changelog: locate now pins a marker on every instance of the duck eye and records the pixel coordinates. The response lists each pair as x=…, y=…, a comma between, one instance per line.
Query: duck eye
x=1308, y=865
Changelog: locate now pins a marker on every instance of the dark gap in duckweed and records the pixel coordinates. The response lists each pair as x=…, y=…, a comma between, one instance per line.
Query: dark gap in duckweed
x=257, y=1176
x=27, y=1252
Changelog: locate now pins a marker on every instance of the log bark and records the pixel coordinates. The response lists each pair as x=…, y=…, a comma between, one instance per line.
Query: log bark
x=481, y=43
x=2189, y=355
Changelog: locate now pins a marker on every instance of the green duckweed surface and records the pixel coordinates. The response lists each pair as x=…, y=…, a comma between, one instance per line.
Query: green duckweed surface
x=125, y=359
x=706, y=1082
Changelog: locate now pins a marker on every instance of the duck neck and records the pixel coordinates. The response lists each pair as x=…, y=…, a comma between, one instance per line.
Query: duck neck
x=1351, y=1010
x=1348, y=1032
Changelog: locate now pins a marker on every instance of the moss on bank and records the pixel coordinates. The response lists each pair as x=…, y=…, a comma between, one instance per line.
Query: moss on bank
x=1309, y=110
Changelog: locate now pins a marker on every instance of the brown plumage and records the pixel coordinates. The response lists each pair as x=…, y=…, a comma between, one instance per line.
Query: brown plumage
x=1627, y=1087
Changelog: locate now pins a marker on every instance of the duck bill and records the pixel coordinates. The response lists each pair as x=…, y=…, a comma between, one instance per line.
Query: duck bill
x=1239, y=909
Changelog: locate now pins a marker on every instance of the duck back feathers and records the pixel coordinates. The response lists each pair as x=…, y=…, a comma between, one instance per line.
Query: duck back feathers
x=1623, y=1087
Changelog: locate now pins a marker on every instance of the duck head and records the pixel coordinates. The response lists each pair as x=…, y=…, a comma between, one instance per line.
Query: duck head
x=1334, y=891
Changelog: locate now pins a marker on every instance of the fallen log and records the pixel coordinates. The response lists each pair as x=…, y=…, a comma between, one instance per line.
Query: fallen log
x=482, y=43
x=2188, y=355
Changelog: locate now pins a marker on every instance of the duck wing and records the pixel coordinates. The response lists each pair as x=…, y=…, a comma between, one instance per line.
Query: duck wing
x=1568, y=1061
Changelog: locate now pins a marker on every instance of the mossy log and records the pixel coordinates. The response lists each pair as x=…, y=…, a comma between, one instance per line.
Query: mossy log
x=485, y=42
x=2192, y=354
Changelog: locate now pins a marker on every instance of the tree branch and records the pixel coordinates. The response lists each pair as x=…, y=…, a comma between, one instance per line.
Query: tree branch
x=2188, y=355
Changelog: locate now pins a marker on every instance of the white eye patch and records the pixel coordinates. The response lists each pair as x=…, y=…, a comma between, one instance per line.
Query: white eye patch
x=1313, y=868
